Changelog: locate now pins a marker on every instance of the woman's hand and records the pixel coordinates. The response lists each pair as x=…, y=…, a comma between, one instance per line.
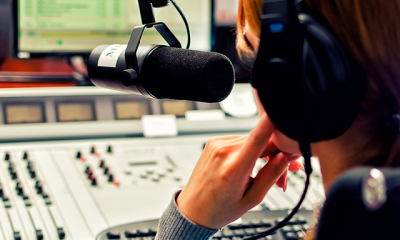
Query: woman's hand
x=221, y=189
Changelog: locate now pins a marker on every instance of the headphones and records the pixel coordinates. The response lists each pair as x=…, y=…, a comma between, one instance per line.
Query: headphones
x=308, y=83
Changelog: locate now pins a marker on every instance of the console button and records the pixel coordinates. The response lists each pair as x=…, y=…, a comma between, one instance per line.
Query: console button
x=7, y=156
x=177, y=178
x=113, y=235
x=132, y=234
x=291, y=236
x=78, y=154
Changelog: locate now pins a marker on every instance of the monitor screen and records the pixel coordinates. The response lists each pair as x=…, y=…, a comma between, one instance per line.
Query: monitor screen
x=225, y=13
x=78, y=26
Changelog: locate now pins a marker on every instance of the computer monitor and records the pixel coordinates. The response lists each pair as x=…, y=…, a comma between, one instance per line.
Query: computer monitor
x=78, y=26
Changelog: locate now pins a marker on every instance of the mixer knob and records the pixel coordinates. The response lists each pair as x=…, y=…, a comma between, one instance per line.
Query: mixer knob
x=17, y=236
x=1, y=190
x=25, y=156
x=78, y=154
x=29, y=165
x=111, y=178
x=7, y=156
x=13, y=175
x=11, y=166
x=101, y=163
x=106, y=170
x=39, y=189
x=94, y=182
x=32, y=173
x=61, y=233
x=93, y=150
x=19, y=188
x=39, y=235
x=87, y=169
x=109, y=149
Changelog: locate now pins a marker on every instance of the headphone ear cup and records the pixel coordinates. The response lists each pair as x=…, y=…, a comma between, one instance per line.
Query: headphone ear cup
x=335, y=79
x=281, y=92
x=319, y=100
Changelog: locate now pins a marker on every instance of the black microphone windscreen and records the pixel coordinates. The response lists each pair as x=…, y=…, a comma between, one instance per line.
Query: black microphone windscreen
x=181, y=74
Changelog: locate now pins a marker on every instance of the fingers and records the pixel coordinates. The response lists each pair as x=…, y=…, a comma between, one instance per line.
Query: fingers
x=266, y=178
x=282, y=181
x=255, y=144
x=296, y=166
x=269, y=150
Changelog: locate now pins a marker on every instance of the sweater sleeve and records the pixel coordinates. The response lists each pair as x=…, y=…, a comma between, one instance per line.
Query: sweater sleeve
x=174, y=225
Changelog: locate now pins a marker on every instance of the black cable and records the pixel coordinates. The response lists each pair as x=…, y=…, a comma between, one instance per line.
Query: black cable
x=306, y=151
x=186, y=23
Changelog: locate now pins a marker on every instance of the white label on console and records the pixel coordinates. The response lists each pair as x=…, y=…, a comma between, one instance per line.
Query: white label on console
x=109, y=57
x=205, y=115
x=159, y=125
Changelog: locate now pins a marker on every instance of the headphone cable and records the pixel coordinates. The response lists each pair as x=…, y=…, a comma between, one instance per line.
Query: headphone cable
x=305, y=149
x=186, y=23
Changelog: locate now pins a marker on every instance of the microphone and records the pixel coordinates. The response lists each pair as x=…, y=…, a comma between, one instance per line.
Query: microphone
x=164, y=72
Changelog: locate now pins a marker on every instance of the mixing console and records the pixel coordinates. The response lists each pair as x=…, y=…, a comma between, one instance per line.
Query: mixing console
x=78, y=189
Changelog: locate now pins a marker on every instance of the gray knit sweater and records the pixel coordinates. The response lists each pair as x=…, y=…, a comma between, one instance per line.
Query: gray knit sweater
x=174, y=225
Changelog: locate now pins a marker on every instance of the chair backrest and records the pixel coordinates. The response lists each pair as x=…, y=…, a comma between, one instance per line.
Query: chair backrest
x=360, y=205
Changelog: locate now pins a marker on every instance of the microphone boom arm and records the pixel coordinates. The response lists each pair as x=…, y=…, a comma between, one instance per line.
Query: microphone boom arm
x=130, y=76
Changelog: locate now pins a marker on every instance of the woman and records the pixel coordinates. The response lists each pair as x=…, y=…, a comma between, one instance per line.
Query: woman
x=221, y=190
